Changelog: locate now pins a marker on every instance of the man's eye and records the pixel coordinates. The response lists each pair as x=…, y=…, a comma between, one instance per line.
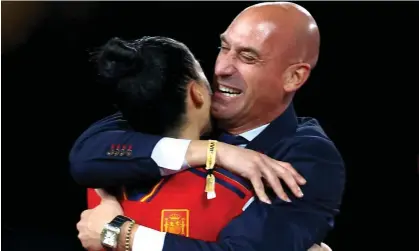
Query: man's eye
x=247, y=58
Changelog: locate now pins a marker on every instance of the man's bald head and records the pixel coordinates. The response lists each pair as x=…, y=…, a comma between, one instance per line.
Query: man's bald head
x=290, y=22
x=266, y=55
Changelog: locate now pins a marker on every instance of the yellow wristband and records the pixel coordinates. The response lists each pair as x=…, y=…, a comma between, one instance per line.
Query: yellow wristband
x=210, y=180
x=211, y=154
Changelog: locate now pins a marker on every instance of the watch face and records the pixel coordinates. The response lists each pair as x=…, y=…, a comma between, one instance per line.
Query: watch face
x=110, y=236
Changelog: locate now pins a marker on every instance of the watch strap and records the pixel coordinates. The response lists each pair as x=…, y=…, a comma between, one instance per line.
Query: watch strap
x=115, y=227
x=119, y=220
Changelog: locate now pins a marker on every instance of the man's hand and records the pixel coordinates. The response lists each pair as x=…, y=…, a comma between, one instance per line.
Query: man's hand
x=322, y=247
x=254, y=166
x=251, y=165
x=92, y=222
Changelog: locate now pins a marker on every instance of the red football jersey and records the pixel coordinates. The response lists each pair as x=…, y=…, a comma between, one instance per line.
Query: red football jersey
x=178, y=204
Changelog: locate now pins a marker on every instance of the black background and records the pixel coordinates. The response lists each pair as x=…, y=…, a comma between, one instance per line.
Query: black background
x=363, y=92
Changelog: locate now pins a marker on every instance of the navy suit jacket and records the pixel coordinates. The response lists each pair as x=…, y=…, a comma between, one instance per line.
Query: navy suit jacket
x=281, y=226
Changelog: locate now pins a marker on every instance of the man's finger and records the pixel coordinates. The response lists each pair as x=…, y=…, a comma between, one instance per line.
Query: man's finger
x=272, y=179
x=315, y=247
x=300, y=179
x=83, y=214
x=325, y=247
x=259, y=189
x=289, y=179
x=84, y=245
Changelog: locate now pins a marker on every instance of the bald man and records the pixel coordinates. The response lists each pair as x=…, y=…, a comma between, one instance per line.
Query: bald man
x=266, y=55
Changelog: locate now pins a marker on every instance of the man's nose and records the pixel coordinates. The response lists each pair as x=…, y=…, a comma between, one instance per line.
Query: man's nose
x=224, y=65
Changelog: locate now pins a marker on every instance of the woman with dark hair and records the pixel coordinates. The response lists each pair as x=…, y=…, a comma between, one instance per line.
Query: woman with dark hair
x=157, y=85
x=160, y=88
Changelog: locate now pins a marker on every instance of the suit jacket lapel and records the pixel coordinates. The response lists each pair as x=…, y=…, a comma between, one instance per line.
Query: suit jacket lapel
x=284, y=125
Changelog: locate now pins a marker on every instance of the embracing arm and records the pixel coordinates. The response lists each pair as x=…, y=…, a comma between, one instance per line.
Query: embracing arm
x=140, y=156
x=110, y=153
x=282, y=226
x=271, y=229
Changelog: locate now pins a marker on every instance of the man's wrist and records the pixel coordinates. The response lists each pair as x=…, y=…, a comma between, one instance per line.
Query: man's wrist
x=110, y=201
x=196, y=155
x=220, y=150
x=123, y=236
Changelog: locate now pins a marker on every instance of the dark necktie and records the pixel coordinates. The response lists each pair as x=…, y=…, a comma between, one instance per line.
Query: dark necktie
x=232, y=139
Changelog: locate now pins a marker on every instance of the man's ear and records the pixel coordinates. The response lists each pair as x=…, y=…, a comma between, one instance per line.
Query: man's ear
x=196, y=94
x=296, y=76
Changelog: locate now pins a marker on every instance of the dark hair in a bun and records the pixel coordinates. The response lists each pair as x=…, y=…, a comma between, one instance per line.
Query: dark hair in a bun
x=118, y=59
x=147, y=79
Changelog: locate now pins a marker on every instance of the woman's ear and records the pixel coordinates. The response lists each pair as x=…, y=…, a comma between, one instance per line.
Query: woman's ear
x=196, y=94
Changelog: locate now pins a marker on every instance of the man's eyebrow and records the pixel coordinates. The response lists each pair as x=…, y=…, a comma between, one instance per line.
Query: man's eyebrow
x=249, y=49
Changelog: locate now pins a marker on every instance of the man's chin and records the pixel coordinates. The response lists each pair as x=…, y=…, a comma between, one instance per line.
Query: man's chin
x=218, y=112
x=221, y=114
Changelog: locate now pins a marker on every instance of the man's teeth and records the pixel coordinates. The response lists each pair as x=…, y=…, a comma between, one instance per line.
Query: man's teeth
x=229, y=92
